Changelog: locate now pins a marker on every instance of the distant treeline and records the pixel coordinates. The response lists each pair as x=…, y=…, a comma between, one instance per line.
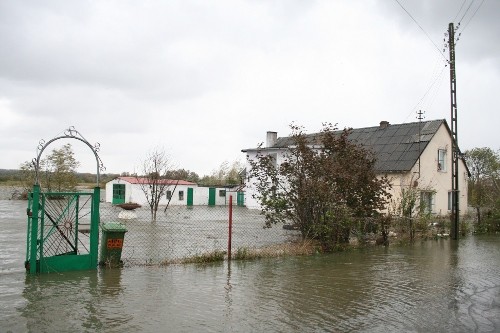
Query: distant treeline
x=9, y=175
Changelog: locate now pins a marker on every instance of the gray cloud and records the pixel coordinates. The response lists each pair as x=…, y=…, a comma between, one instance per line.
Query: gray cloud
x=206, y=79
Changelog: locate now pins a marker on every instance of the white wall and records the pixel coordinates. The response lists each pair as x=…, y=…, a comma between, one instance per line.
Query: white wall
x=250, y=202
x=430, y=178
x=134, y=193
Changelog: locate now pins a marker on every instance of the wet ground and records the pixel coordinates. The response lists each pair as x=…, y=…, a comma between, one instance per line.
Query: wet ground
x=434, y=286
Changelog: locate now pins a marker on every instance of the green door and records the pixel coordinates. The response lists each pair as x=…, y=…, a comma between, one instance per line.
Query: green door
x=211, y=196
x=118, y=194
x=190, y=197
x=240, y=199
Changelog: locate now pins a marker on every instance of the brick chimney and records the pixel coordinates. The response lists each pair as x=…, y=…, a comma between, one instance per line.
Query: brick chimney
x=384, y=124
x=271, y=138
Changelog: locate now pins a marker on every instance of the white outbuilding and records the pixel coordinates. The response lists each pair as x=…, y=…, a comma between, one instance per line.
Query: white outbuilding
x=177, y=193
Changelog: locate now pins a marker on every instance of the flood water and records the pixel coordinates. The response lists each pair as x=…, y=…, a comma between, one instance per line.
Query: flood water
x=434, y=286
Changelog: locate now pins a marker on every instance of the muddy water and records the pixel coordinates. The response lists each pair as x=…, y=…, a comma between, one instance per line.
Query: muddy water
x=438, y=286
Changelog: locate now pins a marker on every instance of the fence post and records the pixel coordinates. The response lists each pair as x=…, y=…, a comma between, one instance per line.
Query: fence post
x=230, y=233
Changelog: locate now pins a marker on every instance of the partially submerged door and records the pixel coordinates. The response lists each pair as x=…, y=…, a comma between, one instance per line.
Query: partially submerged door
x=190, y=197
x=211, y=196
x=240, y=199
x=118, y=194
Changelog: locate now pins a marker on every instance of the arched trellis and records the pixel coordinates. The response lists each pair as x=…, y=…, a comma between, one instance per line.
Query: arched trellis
x=70, y=133
x=60, y=236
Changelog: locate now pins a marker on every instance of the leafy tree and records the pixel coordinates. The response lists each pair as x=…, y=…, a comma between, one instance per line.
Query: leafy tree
x=227, y=174
x=57, y=171
x=324, y=183
x=153, y=182
x=60, y=170
x=182, y=174
x=484, y=190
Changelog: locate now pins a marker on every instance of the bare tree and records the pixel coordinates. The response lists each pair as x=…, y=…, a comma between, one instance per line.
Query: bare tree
x=154, y=183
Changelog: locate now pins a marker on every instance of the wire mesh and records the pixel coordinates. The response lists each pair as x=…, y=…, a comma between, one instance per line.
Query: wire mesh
x=182, y=232
x=65, y=222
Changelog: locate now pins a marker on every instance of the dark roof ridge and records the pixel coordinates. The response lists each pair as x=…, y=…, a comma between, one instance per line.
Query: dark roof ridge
x=396, y=147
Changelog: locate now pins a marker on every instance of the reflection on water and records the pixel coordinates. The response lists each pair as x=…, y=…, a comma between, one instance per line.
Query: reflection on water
x=435, y=286
x=428, y=287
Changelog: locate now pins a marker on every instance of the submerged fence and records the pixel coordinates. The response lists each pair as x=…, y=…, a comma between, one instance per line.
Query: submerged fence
x=181, y=232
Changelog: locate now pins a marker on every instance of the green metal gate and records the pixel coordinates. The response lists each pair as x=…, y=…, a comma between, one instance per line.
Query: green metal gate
x=63, y=231
x=63, y=227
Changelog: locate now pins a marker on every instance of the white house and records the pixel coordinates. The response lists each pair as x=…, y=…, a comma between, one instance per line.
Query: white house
x=417, y=155
x=178, y=193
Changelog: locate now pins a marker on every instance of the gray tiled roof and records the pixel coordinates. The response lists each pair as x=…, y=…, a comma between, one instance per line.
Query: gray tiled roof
x=396, y=147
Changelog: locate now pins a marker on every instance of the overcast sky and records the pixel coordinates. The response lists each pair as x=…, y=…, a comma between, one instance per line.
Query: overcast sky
x=205, y=79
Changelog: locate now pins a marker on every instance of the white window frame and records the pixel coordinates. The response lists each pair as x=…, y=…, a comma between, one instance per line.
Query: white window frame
x=441, y=161
x=428, y=198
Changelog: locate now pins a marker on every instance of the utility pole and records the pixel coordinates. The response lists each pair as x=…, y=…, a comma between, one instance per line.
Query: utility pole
x=419, y=117
x=455, y=211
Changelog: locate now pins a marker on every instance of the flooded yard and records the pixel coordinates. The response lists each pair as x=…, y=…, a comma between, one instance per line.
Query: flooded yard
x=433, y=286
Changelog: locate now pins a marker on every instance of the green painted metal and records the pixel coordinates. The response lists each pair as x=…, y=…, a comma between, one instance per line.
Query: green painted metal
x=65, y=263
x=113, y=234
x=118, y=194
x=211, y=196
x=240, y=199
x=54, y=241
x=94, y=226
x=190, y=196
x=33, y=214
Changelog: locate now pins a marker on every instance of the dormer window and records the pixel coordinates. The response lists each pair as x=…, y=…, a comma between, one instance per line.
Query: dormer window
x=441, y=162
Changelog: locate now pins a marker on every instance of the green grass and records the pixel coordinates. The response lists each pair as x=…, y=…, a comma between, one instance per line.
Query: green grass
x=205, y=258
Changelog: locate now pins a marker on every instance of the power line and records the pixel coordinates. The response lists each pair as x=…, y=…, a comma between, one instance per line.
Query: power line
x=474, y=14
x=468, y=8
x=462, y=6
x=437, y=48
x=431, y=91
x=437, y=77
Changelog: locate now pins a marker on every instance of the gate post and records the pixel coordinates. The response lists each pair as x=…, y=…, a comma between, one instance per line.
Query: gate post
x=34, y=229
x=94, y=227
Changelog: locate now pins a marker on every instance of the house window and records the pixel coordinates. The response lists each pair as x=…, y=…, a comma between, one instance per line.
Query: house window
x=181, y=195
x=169, y=195
x=222, y=193
x=426, y=202
x=441, y=160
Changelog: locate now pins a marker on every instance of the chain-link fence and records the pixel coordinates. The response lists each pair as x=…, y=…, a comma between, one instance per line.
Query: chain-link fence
x=182, y=232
